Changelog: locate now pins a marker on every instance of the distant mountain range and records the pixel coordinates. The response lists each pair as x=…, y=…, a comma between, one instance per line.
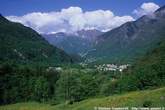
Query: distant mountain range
x=123, y=44
x=75, y=43
x=23, y=45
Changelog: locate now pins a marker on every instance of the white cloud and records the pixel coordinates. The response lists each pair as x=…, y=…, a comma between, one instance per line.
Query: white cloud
x=70, y=20
x=146, y=8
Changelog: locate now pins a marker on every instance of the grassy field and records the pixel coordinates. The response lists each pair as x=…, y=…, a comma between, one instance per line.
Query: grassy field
x=137, y=99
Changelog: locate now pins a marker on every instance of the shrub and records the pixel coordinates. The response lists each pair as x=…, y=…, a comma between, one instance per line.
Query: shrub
x=147, y=103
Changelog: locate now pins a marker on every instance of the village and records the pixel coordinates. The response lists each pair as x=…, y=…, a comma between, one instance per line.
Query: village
x=101, y=67
x=112, y=67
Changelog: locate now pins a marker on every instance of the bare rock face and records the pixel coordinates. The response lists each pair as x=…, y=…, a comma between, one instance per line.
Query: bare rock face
x=89, y=34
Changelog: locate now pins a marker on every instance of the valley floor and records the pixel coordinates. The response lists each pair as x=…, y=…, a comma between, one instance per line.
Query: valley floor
x=156, y=98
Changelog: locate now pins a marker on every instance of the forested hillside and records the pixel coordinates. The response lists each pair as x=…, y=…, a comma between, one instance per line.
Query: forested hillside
x=25, y=83
x=23, y=45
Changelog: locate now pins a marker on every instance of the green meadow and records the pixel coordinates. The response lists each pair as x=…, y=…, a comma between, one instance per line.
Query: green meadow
x=154, y=98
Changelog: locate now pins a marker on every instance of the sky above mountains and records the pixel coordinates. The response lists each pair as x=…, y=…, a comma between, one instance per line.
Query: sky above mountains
x=51, y=16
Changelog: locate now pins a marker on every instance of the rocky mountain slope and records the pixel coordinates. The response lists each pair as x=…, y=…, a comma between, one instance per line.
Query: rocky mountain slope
x=77, y=43
x=131, y=40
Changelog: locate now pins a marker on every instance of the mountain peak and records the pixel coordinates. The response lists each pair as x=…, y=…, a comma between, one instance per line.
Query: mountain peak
x=2, y=18
x=161, y=9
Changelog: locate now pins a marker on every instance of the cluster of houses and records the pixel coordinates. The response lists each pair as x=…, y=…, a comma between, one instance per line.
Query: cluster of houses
x=58, y=69
x=111, y=67
x=103, y=67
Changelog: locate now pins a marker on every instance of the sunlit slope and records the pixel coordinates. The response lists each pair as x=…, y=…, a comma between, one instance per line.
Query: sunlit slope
x=155, y=98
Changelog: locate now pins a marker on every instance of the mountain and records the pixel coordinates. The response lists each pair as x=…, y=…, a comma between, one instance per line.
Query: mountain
x=90, y=35
x=70, y=43
x=77, y=43
x=22, y=44
x=130, y=40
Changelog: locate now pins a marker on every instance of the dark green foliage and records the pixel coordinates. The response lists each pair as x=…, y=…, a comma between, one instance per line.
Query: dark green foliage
x=147, y=103
x=76, y=85
x=109, y=88
x=23, y=83
x=147, y=72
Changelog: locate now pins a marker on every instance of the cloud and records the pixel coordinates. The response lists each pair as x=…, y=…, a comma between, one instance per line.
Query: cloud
x=146, y=8
x=71, y=19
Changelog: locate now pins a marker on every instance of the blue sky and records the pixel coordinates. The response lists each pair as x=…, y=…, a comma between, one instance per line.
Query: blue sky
x=119, y=7
x=52, y=16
